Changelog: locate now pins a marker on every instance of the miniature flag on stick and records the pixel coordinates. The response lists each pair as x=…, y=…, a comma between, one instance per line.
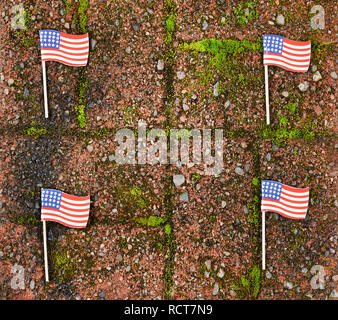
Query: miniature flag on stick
x=71, y=211
x=284, y=53
x=287, y=201
x=68, y=49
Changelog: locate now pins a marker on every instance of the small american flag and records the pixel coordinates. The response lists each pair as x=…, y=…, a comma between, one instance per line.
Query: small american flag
x=71, y=211
x=66, y=48
x=285, y=53
x=288, y=201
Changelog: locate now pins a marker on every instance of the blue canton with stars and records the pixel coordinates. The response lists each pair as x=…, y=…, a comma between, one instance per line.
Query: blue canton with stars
x=50, y=39
x=51, y=198
x=271, y=189
x=273, y=43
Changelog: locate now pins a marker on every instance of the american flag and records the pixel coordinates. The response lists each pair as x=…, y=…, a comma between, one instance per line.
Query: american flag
x=71, y=211
x=288, y=201
x=285, y=53
x=66, y=48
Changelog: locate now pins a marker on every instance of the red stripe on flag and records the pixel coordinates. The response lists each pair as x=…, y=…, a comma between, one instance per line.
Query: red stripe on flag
x=76, y=198
x=293, y=189
x=77, y=43
x=65, y=224
x=72, y=48
x=297, y=43
x=65, y=52
x=285, y=205
x=279, y=65
x=64, y=62
x=61, y=56
x=287, y=216
x=293, y=201
x=74, y=210
x=65, y=213
x=74, y=36
x=295, y=60
x=288, y=63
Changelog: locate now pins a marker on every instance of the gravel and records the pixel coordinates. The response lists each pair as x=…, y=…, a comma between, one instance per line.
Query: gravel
x=303, y=86
x=178, y=179
x=280, y=20
x=160, y=65
x=215, y=90
x=184, y=197
x=288, y=285
x=220, y=273
x=136, y=26
x=317, y=76
x=333, y=75
x=180, y=75
x=239, y=171
x=185, y=107
x=216, y=289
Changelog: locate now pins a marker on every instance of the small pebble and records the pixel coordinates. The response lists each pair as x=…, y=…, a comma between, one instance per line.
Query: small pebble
x=178, y=179
x=280, y=20
x=184, y=197
x=216, y=289
x=160, y=65
x=180, y=75
x=303, y=86
x=239, y=171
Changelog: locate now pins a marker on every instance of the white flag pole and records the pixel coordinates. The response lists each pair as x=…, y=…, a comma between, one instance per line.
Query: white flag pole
x=267, y=95
x=45, y=88
x=45, y=250
x=263, y=240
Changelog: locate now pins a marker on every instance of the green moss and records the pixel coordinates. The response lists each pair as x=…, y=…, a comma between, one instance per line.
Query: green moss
x=139, y=198
x=212, y=218
x=225, y=62
x=152, y=221
x=170, y=22
x=81, y=115
x=254, y=211
x=245, y=12
x=170, y=27
x=283, y=121
x=221, y=47
x=170, y=53
x=291, y=107
x=122, y=242
x=81, y=15
x=35, y=131
x=249, y=285
x=319, y=50
x=28, y=41
x=81, y=19
x=255, y=181
x=62, y=266
x=26, y=220
x=282, y=134
x=167, y=229
x=68, y=5
x=196, y=177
